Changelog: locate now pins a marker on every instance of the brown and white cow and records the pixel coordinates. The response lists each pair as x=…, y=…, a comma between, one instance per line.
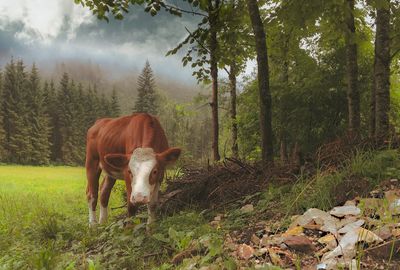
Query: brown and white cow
x=133, y=148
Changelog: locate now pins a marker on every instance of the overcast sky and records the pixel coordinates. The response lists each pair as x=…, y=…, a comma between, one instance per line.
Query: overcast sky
x=58, y=30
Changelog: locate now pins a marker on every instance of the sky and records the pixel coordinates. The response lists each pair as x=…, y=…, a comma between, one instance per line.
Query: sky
x=57, y=31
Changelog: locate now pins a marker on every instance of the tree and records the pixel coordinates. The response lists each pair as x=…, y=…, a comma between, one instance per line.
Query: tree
x=39, y=121
x=2, y=133
x=353, y=96
x=146, y=100
x=265, y=113
x=115, y=107
x=382, y=68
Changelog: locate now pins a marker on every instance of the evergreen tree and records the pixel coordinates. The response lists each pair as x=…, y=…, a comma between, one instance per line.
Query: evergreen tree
x=115, y=107
x=39, y=121
x=147, y=99
x=2, y=133
x=16, y=121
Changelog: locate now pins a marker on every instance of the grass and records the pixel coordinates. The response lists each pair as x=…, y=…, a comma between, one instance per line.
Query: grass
x=44, y=223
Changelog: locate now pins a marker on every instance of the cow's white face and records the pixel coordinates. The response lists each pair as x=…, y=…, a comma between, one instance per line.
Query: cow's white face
x=144, y=173
x=145, y=168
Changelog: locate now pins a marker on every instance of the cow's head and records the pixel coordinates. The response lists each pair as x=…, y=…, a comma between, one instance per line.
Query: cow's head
x=145, y=169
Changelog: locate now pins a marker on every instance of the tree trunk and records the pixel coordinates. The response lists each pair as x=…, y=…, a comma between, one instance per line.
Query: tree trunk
x=263, y=81
x=382, y=70
x=283, y=151
x=213, y=44
x=234, y=129
x=353, y=96
x=372, y=105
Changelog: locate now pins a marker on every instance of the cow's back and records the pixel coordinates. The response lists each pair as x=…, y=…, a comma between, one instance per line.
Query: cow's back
x=125, y=134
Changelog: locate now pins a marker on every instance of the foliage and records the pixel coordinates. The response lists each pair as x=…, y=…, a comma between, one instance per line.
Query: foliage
x=42, y=123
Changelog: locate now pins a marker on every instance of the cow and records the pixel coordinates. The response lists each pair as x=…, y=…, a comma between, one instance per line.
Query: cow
x=133, y=148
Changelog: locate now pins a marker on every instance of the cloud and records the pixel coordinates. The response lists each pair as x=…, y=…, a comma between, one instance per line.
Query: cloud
x=58, y=30
x=43, y=21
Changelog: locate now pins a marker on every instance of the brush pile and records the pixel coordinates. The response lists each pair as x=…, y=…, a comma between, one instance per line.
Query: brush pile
x=215, y=186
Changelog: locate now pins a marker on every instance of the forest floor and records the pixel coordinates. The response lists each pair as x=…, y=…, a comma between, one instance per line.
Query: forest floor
x=43, y=218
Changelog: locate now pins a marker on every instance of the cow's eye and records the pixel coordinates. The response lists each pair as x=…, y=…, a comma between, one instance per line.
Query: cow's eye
x=155, y=172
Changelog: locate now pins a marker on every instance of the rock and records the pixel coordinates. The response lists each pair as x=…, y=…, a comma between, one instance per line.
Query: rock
x=245, y=251
x=247, y=208
x=351, y=226
x=348, y=210
x=329, y=240
x=218, y=217
x=299, y=243
x=394, y=207
x=347, y=245
x=345, y=221
x=326, y=222
x=352, y=202
x=395, y=232
x=275, y=258
x=394, y=181
x=255, y=240
x=293, y=231
x=384, y=232
x=271, y=240
x=354, y=265
x=214, y=223
x=261, y=251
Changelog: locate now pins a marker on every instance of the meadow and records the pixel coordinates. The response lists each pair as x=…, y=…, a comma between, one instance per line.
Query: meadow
x=43, y=211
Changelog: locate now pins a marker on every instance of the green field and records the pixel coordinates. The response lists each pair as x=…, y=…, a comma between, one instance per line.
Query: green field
x=44, y=225
x=41, y=207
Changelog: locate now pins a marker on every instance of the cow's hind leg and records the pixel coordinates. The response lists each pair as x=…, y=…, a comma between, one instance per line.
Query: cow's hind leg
x=93, y=172
x=105, y=191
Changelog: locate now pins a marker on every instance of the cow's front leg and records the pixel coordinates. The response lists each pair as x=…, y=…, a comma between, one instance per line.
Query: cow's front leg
x=152, y=208
x=93, y=173
x=105, y=191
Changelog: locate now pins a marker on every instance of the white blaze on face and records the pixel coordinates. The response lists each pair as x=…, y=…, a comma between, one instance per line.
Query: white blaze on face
x=141, y=165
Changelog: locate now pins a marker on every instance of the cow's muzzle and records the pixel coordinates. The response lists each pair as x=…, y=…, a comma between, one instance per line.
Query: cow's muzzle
x=139, y=198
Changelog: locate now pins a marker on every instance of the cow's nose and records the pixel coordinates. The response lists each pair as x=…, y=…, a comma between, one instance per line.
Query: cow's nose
x=140, y=198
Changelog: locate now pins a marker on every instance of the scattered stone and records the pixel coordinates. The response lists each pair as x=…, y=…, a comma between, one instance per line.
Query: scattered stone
x=218, y=217
x=384, y=232
x=275, y=258
x=255, y=239
x=329, y=240
x=349, y=203
x=245, y=251
x=247, y=208
x=261, y=251
x=299, y=243
x=396, y=232
x=394, y=181
x=348, y=210
x=347, y=245
x=214, y=223
x=351, y=226
x=293, y=231
x=271, y=241
x=325, y=220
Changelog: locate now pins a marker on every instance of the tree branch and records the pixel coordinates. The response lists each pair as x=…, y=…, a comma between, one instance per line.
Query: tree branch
x=170, y=6
x=204, y=47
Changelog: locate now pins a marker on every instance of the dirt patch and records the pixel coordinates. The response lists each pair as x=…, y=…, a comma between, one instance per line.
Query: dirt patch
x=351, y=188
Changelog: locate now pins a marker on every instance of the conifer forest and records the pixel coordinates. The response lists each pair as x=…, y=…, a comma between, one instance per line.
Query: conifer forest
x=282, y=119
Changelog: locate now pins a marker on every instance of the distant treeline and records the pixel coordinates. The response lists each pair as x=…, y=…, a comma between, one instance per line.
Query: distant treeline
x=45, y=122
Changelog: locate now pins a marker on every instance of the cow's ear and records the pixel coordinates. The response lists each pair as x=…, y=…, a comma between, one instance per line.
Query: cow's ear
x=169, y=156
x=116, y=161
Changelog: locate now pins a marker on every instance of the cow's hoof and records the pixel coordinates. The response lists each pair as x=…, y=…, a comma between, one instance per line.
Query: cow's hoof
x=93, y=224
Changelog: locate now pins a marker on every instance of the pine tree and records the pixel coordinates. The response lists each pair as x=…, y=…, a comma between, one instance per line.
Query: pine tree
x=115, y=107
x=16, y=121
x=39, y=121
x=147, y=99
x=2, y=133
